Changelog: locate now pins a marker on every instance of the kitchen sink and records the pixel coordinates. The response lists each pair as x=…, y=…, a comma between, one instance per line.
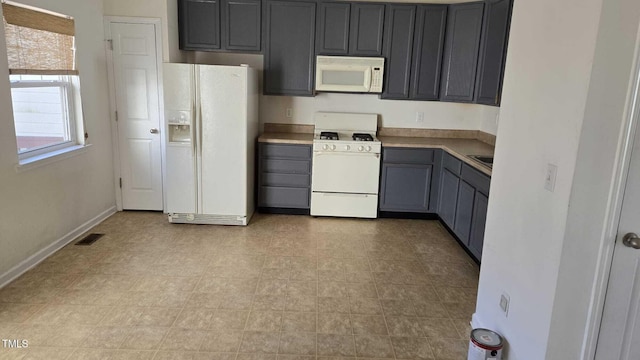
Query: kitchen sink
x=484, y=160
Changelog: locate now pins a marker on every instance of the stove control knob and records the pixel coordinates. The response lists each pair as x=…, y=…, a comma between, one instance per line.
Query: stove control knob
x=347, y=147
x=368, y=148
x=333, y=147
x=325, y=147
x=360, y=148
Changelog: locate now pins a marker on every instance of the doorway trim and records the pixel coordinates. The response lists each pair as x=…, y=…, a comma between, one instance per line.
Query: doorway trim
x=614, y=209
x=108, y=20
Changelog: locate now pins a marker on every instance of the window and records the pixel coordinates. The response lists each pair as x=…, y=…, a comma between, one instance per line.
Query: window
x=45, y=88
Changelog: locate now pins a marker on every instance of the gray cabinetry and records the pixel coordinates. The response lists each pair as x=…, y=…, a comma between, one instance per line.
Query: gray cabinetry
x=414, y=42
x=398, y=48
x=427, y=52
x=476, y=238
x=242, y=25
x=350, y=28
x=409, y=179
x=333, y=28
x=493, y=47
x=289, y=47
x=367, y=22
x=211, y=25
x=462, y=42
x=464, y=211
x=199, y=22
x=284, y=176
x=449, y=184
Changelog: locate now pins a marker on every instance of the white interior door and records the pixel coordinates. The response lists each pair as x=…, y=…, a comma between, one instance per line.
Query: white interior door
x=620, y=330
x=135, y=77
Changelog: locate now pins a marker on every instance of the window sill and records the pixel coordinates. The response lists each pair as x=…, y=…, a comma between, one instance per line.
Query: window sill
x=50, y=157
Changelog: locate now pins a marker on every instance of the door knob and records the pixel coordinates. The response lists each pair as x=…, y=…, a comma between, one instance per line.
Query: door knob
x=631, y=240
x=153, y=131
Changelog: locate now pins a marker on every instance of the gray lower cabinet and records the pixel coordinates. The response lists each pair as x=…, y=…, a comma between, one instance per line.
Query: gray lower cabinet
x=493, y=50
x=284, y=176
x=463, y=202
x=289, y=47
x=407, y=179
x=227, y=25
x=464, y=25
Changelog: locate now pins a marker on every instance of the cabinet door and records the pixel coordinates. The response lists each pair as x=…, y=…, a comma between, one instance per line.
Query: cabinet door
x=493, y=50
x=333, y=28
x=199, y=22
x=398, y=50
x=464, y=211
x=242, y=26
x=461, y=52
x=367, y=21
x=290, y=47
x=476, y=238
x=427, y=51
x=448, y=197
x=405, y=187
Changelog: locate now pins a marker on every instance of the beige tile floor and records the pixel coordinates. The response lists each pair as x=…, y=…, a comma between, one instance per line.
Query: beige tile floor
x=285, y=287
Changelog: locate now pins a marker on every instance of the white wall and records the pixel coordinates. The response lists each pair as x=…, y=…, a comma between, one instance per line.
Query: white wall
x=561, y=105
x=591, y=195
x=41, y=205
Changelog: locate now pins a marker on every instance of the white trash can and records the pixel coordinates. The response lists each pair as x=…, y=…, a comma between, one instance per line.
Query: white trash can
x=485, y=344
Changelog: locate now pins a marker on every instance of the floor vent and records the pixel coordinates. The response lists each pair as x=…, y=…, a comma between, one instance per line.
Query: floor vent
x=90, y=239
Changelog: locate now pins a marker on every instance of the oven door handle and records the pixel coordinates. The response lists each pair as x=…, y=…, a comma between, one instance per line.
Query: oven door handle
x=321, y=153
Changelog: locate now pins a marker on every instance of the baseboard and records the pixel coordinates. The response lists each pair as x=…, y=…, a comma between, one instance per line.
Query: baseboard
x=39, y=256
x=476, y=322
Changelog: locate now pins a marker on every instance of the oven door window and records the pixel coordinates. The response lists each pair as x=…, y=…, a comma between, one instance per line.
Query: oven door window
x=356, y=173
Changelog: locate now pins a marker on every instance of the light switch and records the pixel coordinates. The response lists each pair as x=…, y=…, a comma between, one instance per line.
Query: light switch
x=419, y=117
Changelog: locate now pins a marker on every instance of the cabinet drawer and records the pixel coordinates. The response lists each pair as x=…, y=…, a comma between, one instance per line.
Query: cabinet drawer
x=286, y=166
x=286, y=151
x=451, y=163
x=408, y=156
x=292, y=180
x=478, y=180
x=284, y=197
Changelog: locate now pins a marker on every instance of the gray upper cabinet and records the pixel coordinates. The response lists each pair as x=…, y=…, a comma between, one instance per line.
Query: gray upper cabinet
x=427, y=51
x=220, y=25
x=333, y=28
x=289, y=48
x=464, y=25
x=199, y=23
x=398, y=48
x=493, y=47
x=367, y=24
x=242, y=31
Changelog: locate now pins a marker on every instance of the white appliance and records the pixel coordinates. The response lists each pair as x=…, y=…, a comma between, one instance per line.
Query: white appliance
x=346, y=165
x=211, y=114
x=349, y=74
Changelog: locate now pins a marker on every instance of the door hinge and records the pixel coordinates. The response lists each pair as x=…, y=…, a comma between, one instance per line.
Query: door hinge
x=116, y=115
x=110, y=42
x=120, y=183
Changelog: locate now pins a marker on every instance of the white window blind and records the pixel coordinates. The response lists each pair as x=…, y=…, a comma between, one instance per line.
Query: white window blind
x=39, y=43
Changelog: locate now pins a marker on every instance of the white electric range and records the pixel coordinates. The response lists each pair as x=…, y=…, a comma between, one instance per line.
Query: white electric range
x=346, y=165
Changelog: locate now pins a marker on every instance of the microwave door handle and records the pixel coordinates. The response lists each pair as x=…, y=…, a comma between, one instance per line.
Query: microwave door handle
x=367, y=80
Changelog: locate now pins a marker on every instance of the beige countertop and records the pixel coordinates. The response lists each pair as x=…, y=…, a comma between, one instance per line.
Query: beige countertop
x=460, y=148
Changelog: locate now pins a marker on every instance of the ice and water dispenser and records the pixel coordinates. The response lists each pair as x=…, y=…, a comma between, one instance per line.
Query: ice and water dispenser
x=179, y=123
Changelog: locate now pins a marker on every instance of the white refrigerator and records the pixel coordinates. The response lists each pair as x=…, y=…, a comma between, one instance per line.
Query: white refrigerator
x=211, y=117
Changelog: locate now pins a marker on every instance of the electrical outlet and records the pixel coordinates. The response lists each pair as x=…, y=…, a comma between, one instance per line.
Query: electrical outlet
x=550, y=177
x=289, y=113
x=504, y=303
x=419, y=117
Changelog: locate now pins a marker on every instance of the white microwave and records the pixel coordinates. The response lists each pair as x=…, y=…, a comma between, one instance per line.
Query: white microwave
x=349, y=74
